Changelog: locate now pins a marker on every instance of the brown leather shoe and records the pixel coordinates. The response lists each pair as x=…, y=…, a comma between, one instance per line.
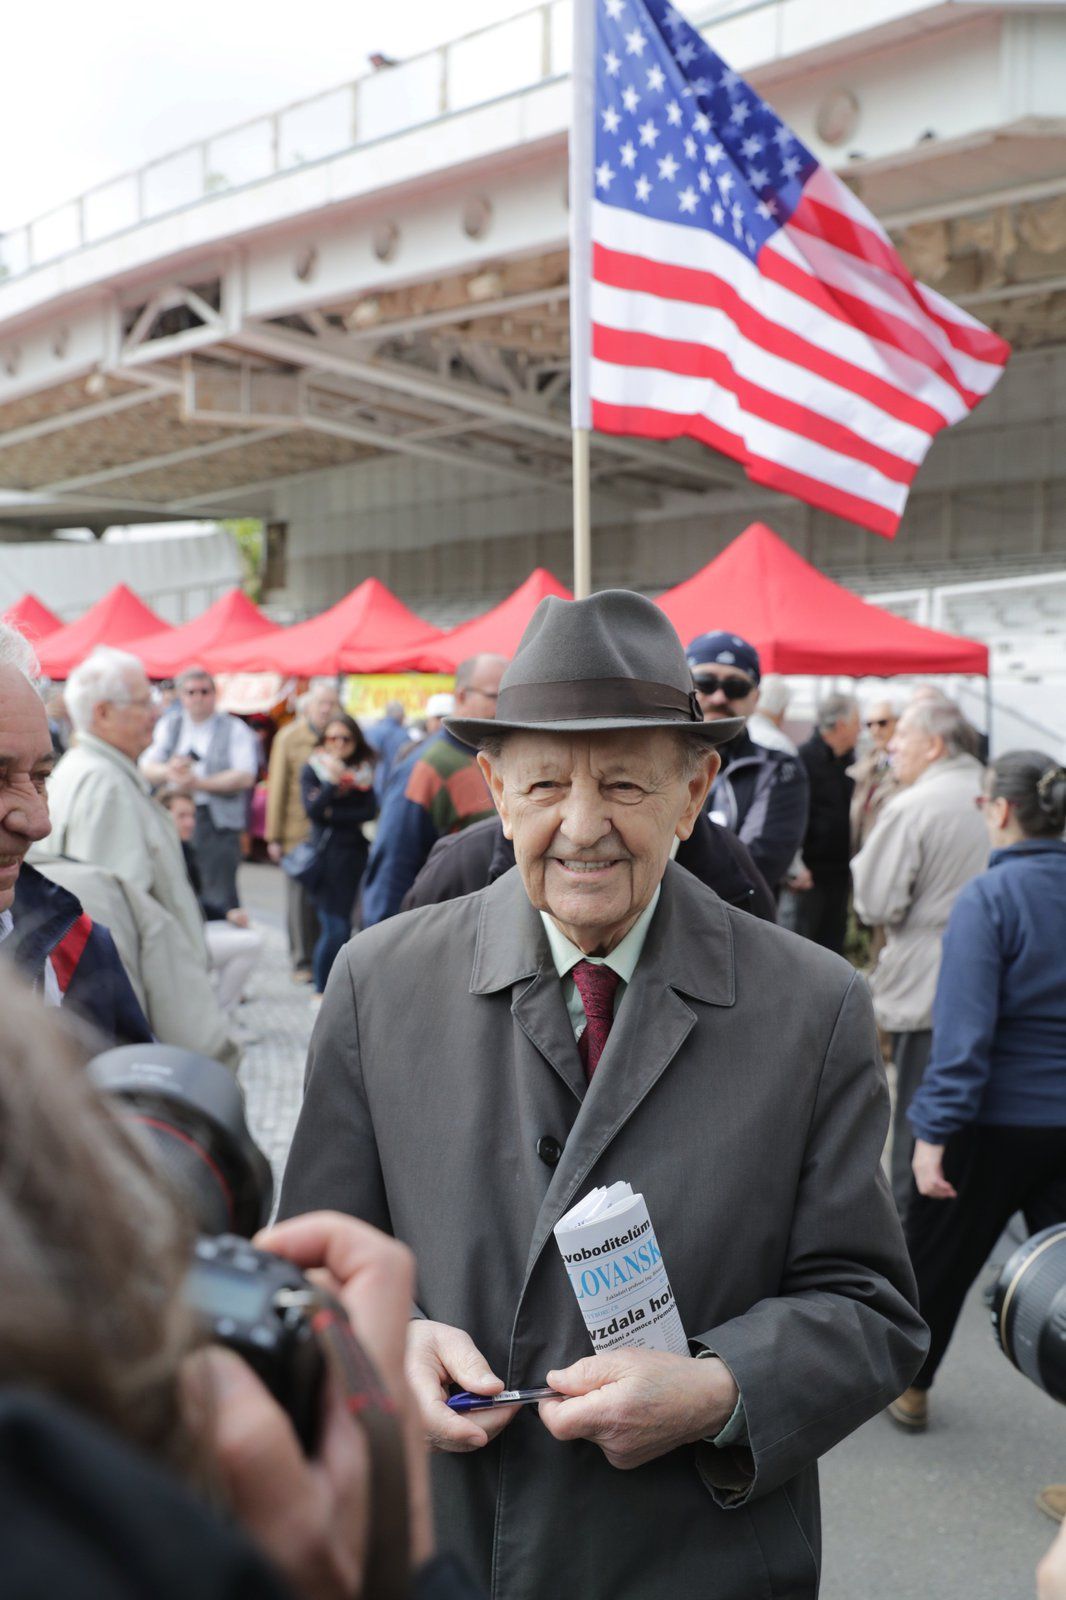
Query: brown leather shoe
x=911, y=1410
x=1052, y=1501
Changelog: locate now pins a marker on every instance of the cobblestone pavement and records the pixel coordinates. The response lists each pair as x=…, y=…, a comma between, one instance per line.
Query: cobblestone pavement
x=948, y=1514
x=278, y=1015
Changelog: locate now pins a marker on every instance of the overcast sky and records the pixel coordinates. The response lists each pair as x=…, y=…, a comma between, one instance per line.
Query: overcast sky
x=93, y=87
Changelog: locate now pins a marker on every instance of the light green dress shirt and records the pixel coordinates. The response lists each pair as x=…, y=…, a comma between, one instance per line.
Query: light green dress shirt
x=622, y=960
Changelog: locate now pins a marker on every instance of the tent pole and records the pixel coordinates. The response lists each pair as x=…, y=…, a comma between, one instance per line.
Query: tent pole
x=988, y=709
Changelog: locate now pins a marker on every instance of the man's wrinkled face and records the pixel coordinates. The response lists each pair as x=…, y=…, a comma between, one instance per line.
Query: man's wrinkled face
x=593, y=818
x=911, y=750
x=127, y=724
x=26, y=759
x=198, y=696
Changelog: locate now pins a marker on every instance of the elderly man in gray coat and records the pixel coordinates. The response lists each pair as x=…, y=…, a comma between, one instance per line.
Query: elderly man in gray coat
x=928, y=841
x=598, y=1014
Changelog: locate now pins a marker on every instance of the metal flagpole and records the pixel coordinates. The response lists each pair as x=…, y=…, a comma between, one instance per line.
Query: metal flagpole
x=581, y=152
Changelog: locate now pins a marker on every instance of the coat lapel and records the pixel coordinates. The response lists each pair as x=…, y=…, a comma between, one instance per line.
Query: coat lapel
x=512, y=947
x=688, y=952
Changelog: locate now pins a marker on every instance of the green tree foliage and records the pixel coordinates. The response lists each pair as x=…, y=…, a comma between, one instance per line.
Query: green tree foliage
x=250, y=537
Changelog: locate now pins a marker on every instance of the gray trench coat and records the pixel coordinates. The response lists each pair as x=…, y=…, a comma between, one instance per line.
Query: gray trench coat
x=741, y=1091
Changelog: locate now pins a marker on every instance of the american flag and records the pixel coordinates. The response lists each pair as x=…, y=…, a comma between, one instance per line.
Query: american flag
x=739, y=293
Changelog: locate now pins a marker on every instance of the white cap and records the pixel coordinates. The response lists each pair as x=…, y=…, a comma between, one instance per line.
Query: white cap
x=440, y=705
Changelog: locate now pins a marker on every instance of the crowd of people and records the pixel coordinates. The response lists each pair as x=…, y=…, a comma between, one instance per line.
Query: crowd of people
x=607, y=812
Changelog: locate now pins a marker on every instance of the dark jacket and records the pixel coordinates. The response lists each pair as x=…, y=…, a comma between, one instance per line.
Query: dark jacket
x=340, y=814
x=463, y=862
x=827, y=841
x=999, y=1017
x=761, y=795
x=49, y=922
x=87, y=1517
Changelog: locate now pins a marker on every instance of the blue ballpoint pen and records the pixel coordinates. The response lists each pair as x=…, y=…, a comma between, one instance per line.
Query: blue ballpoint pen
x=510, y=1397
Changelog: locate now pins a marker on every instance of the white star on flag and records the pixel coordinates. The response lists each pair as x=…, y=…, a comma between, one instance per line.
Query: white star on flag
x=628, y=153
x=612, y=63
x=712, y=154
x=604, y=175
x=740, y=113
x=701, y=123
x=673, y=114
x=648, y=134
x=630, y=98
x=611, y=120
x=752, y=147
x=656, y=79
x=643, y=188
x=614, y=8
x=668, y=168
x=687, y=199
x=635, y=43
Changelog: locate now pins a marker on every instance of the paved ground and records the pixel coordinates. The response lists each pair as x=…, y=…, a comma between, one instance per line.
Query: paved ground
x=947, y=1515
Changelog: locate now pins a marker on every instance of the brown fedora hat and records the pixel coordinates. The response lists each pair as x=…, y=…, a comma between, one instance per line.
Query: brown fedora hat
x=582, y=666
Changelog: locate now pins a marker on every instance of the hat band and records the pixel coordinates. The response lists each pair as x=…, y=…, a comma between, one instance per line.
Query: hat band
x=576, y=698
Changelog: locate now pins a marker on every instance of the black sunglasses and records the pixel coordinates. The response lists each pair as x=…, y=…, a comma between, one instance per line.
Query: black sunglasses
x=878, y=722
x=732, y=688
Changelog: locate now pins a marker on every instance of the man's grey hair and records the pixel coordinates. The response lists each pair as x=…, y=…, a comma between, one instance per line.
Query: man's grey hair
x=396, y=710
x=315, y=684
x=774, y=694
x=104, y=675
x=888, y=697
x=17, y=651
x=692, y=749
x=193, y=674
x=940, y=718
x=835, y=708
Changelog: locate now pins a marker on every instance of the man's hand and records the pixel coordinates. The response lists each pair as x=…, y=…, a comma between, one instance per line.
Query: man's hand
x=275, y=850
x=179, y=773
x=640, y=1404
x=438, y=1355
x=928, y=1168
x=1051, y=1573
x=801, y=882
x=238, y=917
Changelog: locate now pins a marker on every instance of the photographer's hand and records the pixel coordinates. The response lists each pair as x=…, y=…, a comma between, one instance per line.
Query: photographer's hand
x=312, y=1516
x=374, y=1278
x=438, y=1355
x=1051, y=1573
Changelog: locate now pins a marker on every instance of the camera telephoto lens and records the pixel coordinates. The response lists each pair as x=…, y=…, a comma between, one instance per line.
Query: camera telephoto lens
x=1029, y=1310
x=192, y=1112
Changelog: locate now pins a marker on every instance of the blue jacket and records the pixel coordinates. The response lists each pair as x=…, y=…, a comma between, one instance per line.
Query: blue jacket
x=387, y=738
x=762, y=796
x=999, y=1017
x=49, y=922
x=403, y=840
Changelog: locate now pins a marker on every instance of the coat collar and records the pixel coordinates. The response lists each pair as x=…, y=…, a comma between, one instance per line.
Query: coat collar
x=1027, y=847
x=689, y=942
x=99, y=747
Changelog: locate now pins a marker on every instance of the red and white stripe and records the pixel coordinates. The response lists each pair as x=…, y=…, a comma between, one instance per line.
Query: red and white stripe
x=823, y=366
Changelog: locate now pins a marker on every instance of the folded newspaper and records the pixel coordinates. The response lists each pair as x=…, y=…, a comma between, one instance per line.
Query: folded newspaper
x=617, y=1272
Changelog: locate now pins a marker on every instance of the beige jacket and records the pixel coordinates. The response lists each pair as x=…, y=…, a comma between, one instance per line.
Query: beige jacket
x=928, y=841
x=286, y=819
x=875, y=784
x=176, y=994
x=102, y=812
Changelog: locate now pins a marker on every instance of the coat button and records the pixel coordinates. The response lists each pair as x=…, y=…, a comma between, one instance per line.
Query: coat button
x=549, y=1150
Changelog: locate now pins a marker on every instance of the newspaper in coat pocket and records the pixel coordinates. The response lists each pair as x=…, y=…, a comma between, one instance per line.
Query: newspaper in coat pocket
x=617, y=1272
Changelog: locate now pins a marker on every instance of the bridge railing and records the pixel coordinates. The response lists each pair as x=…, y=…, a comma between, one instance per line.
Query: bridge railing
x=497, y=60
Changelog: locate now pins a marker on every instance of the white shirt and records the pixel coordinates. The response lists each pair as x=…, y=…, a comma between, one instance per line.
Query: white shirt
x=53, y=994
x=622, y=960
x=194, y=738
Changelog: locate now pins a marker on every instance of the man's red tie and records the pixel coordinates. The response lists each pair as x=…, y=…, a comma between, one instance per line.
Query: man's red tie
x=596, y=985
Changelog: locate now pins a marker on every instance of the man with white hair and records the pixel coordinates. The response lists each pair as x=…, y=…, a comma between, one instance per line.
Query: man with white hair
x=102, y=810
x=286, y=820
x=67, y=957
x=927, y=843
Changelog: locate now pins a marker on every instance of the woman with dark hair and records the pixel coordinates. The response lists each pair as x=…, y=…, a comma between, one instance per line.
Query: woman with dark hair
x=337, y=788
x=990, y=1115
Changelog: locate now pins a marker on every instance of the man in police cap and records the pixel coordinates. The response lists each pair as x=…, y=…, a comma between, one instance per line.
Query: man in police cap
x=599, y=1014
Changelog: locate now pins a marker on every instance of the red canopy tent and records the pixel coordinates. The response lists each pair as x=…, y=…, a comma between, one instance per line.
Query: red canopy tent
x=32, y=618
x=115, y=620
x=232, y=619
x=340, y=640
x=801, y=621
x=497, y=631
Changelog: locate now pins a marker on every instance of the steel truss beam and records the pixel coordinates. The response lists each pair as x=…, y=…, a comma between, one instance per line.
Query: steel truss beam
x=299, y=350
x=73, y=419
x=174, y=458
